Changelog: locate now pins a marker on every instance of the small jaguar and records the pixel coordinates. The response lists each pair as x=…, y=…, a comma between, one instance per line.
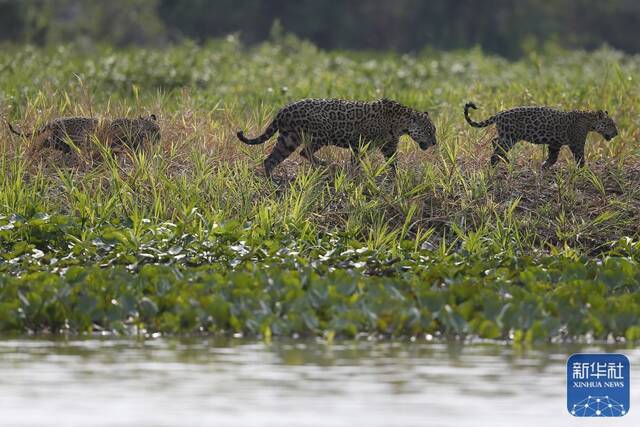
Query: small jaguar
x=122, y=131
x=133, y=133
x=315, y=123
x=544, y=125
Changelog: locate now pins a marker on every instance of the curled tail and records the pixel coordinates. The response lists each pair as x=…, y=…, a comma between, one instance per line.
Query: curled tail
x=268, y=133
x=12, y=129
x=482, y=124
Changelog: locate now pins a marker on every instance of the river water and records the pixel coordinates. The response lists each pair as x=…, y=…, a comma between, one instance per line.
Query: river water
x=207, y=382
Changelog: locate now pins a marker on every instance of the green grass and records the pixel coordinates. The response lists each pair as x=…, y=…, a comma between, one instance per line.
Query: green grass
x=189, y=237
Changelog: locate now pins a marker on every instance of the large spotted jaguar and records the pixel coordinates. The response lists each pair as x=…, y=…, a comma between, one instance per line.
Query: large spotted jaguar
x=544, y=125
x=78, y=130
x=315, y=123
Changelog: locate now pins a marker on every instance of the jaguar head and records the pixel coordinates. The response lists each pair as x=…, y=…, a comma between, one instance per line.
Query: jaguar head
x=150, y=127
x=421, y=129
x=605, y=125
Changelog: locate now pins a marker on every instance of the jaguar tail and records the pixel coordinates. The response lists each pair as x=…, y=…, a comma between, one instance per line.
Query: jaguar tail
x=268, y=133
x=22, y=134
x=482, y=124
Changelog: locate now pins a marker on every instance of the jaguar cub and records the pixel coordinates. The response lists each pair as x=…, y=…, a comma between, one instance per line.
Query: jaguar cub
x=133, y=133
x=346, y=124
x=544, y=125
x=119, y=132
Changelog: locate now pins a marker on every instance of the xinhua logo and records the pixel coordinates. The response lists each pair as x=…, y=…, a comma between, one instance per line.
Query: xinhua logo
x=598, y=385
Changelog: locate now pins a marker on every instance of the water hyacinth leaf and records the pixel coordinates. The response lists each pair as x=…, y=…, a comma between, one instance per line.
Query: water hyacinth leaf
x=453, y=321
x=489, y=329
x=147, y=308
x=632, y=334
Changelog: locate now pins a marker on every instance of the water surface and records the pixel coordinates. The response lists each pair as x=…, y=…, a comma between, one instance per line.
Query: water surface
x=206, y=382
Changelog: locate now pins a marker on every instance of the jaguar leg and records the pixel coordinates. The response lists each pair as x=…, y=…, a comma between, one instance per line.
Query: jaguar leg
x=286, y=144
x=501, y=147
x=554, y=151
x=308, y=152
x=578, y=153
x=389, y=150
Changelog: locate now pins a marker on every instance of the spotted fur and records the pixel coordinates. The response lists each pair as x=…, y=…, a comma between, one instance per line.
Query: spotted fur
x=544, y=125
x=79, y=130
x=346, y=124
x=133, y=133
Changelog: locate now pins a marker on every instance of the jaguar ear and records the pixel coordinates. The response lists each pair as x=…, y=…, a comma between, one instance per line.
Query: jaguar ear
x=153, y=117
x=426, y=113
x=602, y=114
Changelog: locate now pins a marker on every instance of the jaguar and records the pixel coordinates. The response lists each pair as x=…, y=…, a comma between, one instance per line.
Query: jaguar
x=315, y=123
x=545, y=125
x=118, y=132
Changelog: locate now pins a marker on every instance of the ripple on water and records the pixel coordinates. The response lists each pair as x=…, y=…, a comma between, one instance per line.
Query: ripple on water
x=205, y=382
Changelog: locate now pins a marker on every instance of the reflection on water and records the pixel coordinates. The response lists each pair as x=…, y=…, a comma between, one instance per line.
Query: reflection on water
x=205, y=382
